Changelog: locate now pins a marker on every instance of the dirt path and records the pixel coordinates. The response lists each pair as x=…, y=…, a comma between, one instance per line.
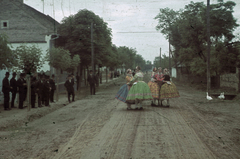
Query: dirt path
x=100, y=127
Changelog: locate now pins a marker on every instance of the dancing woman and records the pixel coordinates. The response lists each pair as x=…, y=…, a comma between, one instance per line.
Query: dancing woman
x=168, y=89
x=139, y=90
x=154, y=87
x=123, y=91
x=160, y=77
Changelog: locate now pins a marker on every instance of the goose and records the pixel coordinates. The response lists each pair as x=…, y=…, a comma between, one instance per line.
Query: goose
x=208, y=97
x=221, y=96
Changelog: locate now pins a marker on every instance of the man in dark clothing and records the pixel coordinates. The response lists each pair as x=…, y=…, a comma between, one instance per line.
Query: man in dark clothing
x=25, y=89
x=39, y=88
x=21, y=89
x=77, y=78
x=92, y=81
x=6, y=89
x=53, y=88
x=33, y=91
x=13, y=84
x=46, y=91
x=69, y=86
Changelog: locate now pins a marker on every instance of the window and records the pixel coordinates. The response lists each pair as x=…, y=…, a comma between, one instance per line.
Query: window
x=4, y=24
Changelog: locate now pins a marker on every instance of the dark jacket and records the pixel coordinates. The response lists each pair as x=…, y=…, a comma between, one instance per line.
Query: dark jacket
x=39, y=86
x=21, y=87
x=69, y=85
x=5, y=85
x=167, y=78
x=52, y=84
x=92, y=79
x=13, y=84
x=33, y=86
x=46, y=87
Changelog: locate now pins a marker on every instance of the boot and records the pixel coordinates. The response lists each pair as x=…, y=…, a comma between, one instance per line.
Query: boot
x=136, y=104
x=140, y=105
x=129, y=106
x=168, y=103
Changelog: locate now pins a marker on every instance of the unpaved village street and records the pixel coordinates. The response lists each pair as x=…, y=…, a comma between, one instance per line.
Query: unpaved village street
x=100, y=127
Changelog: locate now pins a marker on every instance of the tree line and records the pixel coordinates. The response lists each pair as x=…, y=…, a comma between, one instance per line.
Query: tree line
x=187, y=33
x=73, y=48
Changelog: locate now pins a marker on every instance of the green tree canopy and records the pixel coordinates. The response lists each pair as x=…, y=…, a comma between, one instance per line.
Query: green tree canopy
x=187, y=33
x=60, y=58
x=29, y=58
x=75, y=36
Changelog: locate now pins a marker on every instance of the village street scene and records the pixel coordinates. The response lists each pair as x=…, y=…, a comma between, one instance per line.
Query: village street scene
x=119, y=79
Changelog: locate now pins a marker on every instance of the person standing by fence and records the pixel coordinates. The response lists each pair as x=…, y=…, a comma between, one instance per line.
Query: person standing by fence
x=13, y=84
x=92, y=81
x=21, y=90
x=69, y=87
x=6, y=89
x=53, y=88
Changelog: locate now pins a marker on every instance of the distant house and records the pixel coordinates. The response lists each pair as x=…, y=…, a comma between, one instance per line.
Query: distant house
x=25, y=25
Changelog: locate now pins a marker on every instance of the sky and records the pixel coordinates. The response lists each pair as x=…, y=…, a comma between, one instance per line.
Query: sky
x=132, y=21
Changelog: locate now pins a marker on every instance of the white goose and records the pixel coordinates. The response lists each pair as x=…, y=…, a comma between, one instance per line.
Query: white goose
x=208, y=97
x=221, y=96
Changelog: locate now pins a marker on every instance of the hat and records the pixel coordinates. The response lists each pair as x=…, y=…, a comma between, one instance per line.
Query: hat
x=14, y=73
x=53, y=75
x=7, y=73
x=69, y=75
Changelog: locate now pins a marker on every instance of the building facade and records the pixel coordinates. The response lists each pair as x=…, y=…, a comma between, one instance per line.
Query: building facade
x=25, y=25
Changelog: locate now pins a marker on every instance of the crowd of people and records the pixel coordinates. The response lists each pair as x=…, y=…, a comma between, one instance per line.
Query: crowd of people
x=41, y=85
x=159, y=88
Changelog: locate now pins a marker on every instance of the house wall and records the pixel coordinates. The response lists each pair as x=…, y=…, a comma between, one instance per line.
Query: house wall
x=230, y=80
x=174, y=72
x=43, y=46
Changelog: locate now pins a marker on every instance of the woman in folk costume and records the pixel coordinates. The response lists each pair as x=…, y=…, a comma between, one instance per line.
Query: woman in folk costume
x=168, y=89
x=153, y=85
x=159, y=76
x=139, y=90
x=123, y=91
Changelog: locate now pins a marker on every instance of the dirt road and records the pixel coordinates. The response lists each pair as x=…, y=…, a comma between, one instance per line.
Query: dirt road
x=100, y=127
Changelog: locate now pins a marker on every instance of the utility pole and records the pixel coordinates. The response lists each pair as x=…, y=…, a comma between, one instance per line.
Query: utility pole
x=92, y=48
x=160, y=59
x=208, y=48
x=170, y=70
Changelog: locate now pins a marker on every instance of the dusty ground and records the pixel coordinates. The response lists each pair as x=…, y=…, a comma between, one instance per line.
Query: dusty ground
x=100, y=127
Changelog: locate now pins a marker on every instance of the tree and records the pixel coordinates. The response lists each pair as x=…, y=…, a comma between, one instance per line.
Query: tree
x=75, y=36
x=127, y=56
x=186, y=29
x=29, y=58
x=164, y=61
x=7, y=56
x=60, y=59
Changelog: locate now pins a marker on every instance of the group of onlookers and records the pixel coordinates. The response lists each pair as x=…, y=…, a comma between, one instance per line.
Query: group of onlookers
x=43, y=87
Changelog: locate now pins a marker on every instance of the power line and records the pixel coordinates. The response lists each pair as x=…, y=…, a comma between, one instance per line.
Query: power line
x=139, y=32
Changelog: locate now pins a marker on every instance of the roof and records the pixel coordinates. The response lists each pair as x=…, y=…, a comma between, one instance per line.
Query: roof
x=26, y=24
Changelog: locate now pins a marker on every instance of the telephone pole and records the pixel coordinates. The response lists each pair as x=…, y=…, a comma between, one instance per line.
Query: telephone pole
x=208, y=48
x=92, y=48
x=160, y=59
x=170, y=70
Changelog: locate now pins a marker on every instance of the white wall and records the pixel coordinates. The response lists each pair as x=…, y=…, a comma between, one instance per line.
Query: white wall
x=43, y=46
x=174, y=72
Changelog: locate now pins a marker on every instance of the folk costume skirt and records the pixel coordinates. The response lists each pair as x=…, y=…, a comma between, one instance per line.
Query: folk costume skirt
x=154, y=88
x=122, y=93
x=139, y=91
x=169, y=91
